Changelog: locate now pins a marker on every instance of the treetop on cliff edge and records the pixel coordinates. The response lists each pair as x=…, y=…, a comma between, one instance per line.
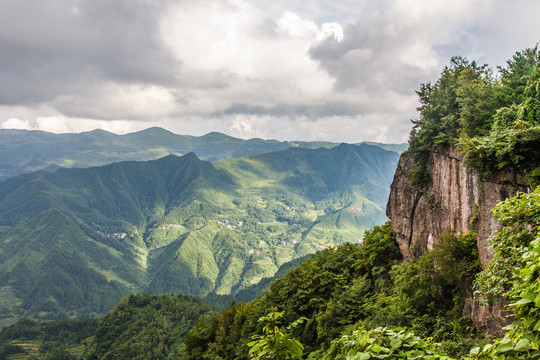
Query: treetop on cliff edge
x=493, y=119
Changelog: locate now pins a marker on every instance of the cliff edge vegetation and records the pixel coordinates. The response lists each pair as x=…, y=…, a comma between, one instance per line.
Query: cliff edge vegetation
x=493, y=119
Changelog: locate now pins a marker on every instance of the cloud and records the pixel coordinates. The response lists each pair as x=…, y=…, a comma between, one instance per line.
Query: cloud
x=118, y=101
x=63, y=124
x=391, y=49
x=261, y=62
x=277, y=69
x=51, y=49
x=14, y=123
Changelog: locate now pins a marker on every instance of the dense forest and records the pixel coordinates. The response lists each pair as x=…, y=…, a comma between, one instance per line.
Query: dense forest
x=352, y=286
x=362, y=301
x=74, y=242
x=493, y=119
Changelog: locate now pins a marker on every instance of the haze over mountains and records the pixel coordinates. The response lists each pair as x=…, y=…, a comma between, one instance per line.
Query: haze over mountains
x=73, y=242
x=23, y=151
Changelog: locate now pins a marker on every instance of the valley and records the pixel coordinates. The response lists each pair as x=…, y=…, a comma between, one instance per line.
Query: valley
x=73, y=242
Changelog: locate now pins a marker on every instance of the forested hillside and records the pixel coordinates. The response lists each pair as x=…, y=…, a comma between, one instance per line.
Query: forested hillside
x=347, y=308
x=58, y=339
x=341, y=289
x=352, y=301
x=73, y=242
x=356, y=300
x=138, y=327
x=23, y=151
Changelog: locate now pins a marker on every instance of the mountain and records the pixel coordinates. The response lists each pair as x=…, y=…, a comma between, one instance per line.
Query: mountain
x=73, y=242
x=253, y=291
x=138, y=327
x=59, y=339
x=23, y=151
x=128, y=331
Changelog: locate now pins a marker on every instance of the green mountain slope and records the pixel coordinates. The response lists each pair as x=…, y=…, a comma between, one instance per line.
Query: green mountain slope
x=146, y=327
x=73, y=242
x=23, y=151
x=138, y=327
x=59, y=339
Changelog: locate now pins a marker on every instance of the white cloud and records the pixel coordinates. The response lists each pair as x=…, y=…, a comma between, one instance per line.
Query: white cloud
x=290, y=24
x=62, y=124
x=113, y=101
x=14, y=123
x=287, y=69
x=330, y=30
x=263, y=61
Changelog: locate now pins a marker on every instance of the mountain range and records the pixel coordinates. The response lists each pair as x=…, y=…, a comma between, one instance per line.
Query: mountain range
x=23, y=151
x=74, y=241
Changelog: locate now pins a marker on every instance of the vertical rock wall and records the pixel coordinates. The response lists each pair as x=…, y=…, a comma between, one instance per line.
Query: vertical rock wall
x=457, y=199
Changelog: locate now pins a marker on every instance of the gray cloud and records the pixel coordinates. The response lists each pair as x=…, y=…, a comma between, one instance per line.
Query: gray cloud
x=54, y=48
x=307, y=111
x=243, y=65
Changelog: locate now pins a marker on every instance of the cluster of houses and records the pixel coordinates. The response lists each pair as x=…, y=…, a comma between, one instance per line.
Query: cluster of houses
x=230, y=225
x=119, y=236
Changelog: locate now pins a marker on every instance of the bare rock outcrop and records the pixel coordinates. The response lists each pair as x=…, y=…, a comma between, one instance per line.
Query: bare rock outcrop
x=457, y=199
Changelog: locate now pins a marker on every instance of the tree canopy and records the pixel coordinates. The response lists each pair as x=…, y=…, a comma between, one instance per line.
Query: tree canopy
x=492, y=119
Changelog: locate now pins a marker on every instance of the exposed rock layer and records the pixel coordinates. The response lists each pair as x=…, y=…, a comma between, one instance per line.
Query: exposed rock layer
x=457, y=199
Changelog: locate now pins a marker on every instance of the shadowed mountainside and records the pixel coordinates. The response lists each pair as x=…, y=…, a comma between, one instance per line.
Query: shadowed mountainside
x=73, y=242
x=23, y=151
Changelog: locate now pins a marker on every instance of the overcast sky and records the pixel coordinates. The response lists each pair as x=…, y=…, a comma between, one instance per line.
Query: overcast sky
x=333, y=70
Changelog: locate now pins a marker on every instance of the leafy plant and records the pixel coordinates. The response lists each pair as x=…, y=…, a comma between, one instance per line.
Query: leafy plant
x=521, y=215
x=276, y=343
x=384, y=343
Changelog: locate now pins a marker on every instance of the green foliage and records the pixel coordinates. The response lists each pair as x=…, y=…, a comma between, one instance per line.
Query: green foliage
x=428, y=295
x=378, y=246
x=456, y=256
x=514, y=76
x=145, y=327
x=458, y=103
x=252, y=292
x=384, y=343
x=58, y=339
x=494, y=121
x=520, y=217
x=275, y=343
x=74, y=242
x=520, y=274
x=341, y=288
x=60, y=354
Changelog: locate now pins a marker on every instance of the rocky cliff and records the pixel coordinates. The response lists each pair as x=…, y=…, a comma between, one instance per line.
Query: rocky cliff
x=457, y=199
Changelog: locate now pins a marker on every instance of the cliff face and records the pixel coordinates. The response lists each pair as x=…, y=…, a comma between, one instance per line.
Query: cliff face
x=457, y=200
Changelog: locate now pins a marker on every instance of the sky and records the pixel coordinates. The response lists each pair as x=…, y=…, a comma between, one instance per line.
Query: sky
x=332, y=70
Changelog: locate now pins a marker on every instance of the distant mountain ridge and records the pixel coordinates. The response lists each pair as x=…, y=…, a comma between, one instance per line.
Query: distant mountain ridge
x=73, y=242
x=24, y=151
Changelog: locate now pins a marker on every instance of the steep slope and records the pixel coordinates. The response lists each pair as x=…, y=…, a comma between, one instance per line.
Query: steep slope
x=146, y=327
x=458, y=200
x=51, y=267
x=23, y=151
x=492, y=121
x=179, y=224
